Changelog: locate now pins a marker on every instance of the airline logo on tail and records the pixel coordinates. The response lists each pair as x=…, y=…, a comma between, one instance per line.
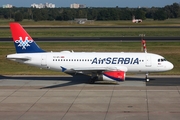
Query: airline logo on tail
x=23, y=43
x=22, y=40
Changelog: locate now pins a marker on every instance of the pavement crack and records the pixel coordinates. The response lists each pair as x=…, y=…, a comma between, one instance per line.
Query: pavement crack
x=32, y=105
x=109, y=103
x=178, y=90
x=73, y=102
x=147, y=102
x=9, y=95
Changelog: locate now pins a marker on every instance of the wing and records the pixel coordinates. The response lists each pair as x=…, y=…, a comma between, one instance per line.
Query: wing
x=88, y=70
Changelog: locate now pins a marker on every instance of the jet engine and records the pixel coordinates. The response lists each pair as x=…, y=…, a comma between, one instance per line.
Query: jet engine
x=112, y=76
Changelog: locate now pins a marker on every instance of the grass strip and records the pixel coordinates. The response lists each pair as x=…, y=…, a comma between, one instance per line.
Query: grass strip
x=97, y=32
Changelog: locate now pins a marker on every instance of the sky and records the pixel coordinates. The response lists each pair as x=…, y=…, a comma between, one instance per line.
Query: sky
x=93, y=3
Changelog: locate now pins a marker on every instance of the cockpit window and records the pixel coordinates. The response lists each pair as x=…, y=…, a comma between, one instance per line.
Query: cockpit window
x=162, y=60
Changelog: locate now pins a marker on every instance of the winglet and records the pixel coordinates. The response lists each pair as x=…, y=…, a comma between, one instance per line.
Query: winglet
x=22, y=40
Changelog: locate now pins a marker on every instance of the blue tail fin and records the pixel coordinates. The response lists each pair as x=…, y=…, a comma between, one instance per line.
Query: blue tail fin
x=22, y=40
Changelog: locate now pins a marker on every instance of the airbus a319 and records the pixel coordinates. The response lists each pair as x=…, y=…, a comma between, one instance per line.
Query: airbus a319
x=108, y=66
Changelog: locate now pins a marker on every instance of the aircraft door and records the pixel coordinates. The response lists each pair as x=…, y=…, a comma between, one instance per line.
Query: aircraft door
x=43, y=60
x=148, y=61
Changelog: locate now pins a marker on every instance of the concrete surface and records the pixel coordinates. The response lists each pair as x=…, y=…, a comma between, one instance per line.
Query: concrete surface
x=64, y=98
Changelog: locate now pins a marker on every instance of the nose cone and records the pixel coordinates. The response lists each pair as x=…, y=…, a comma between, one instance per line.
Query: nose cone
x=170, y=66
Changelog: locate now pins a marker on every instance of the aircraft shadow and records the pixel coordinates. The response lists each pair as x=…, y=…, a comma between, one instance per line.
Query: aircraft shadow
x=78, y=77
x=46, y=78
x=71, y=80
x=137, y=79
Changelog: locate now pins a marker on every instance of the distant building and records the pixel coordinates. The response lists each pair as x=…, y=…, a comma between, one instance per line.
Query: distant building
x=46, y=5
x=82, y=6
x=74, y=5
x=7, y=6
x=50, y=5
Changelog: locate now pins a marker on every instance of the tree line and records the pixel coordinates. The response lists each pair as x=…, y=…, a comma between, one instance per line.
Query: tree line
x=101, y=14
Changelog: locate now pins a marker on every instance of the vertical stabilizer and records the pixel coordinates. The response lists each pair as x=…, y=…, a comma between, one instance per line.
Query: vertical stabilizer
x=22, y=40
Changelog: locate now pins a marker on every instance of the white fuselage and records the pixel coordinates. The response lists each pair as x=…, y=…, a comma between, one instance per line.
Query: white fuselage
x=127, y=62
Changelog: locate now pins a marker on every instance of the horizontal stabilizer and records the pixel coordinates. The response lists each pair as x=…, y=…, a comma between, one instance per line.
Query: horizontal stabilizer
x=18, y=57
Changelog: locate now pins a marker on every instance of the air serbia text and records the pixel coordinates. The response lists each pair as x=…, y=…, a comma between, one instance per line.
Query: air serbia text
x=115, y=60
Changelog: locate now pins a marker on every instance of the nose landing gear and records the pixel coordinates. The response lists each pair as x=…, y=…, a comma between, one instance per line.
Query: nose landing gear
x=147, y=79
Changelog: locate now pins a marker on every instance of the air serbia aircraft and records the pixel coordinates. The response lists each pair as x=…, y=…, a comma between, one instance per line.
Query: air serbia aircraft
x=109, y=66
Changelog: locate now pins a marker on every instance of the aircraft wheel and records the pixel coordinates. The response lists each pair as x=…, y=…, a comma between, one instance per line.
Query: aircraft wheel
x=92, y=80
x=147, y=80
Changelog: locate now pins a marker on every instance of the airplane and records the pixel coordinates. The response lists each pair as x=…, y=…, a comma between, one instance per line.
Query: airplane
x=107, y=66
x=136, y=20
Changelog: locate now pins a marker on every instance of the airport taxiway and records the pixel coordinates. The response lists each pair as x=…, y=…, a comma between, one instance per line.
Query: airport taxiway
x=67, y=98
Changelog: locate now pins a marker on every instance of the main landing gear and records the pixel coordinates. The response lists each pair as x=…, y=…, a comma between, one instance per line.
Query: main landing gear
x=93, y=79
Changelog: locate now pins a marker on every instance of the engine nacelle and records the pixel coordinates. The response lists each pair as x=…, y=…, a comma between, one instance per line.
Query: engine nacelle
x=112, y=76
